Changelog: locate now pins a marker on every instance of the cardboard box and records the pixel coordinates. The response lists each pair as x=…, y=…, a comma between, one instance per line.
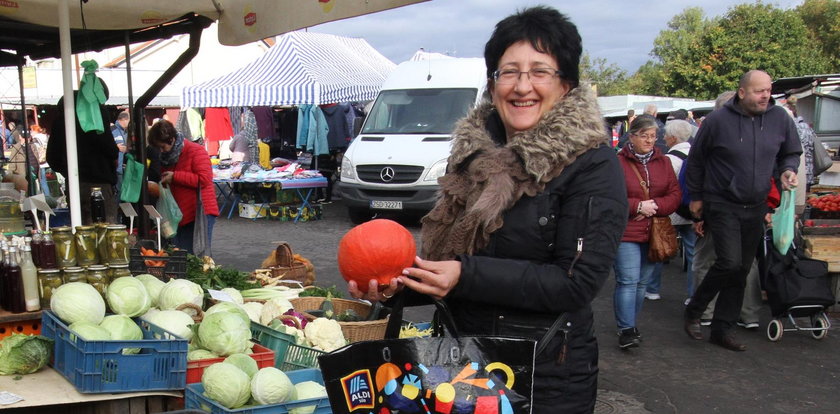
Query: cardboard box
x=249, y=210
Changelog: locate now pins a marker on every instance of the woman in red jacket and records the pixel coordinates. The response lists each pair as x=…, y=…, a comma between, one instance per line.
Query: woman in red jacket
x=185, y=167
x=632, y=269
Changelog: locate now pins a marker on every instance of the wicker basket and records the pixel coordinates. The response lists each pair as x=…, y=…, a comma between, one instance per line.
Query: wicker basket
x=290, y=269
x=353, y=331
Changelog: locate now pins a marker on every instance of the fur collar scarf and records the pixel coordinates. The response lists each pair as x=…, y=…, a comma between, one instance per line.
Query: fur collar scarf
x=485, y=179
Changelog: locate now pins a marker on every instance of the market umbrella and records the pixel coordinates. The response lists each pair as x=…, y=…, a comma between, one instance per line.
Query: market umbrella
x=240, y=22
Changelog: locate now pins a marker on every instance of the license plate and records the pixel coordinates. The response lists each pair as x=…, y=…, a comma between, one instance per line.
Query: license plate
x=386, y=205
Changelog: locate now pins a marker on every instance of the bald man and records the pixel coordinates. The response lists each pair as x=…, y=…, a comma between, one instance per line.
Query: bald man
x=737, y=150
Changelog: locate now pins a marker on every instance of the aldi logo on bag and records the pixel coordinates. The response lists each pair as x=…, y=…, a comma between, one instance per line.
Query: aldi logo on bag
x=358, y=390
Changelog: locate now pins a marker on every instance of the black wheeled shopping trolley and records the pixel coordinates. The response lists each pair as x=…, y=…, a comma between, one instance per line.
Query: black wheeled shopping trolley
x=797, y=288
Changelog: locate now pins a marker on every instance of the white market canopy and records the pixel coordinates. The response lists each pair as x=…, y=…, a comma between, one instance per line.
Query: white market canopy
x=301, y=68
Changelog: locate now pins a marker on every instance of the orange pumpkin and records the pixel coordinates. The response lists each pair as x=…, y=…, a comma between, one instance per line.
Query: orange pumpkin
x=379, y=249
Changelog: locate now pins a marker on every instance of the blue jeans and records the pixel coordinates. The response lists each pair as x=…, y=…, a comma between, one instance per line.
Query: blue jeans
x=184, y=238
x=689, y=238
x=632, y=274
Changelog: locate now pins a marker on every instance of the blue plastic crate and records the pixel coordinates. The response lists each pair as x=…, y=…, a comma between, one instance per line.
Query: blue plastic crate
x=288, y=355
x=100, y=366
x=195, y=398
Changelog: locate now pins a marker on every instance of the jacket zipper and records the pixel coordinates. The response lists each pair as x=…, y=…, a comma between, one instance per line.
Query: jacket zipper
x=579, y=249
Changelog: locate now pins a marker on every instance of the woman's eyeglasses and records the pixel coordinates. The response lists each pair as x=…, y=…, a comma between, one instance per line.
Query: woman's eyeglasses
x=536, y=75
x=651, y=137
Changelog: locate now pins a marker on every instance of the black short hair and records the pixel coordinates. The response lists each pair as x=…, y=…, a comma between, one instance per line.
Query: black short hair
x=162, y=132
x=548, y=31
x=679, y=114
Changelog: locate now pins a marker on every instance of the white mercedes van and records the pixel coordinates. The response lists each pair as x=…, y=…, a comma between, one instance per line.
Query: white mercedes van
x=394, y=163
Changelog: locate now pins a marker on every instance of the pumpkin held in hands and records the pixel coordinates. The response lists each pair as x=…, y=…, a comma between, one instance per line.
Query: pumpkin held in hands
x=379, y=249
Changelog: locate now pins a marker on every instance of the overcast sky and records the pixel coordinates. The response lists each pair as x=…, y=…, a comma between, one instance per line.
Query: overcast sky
x=618, y=30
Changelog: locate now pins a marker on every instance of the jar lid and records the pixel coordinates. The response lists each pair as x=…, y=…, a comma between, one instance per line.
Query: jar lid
x=62, y=228
x=48, y=270
x=84, y=228
x=118, y=266
x=97, y=267
x=73, y=269
x=116, y=227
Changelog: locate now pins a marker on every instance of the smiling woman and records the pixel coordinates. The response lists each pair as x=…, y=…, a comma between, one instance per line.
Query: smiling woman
x=530, y=212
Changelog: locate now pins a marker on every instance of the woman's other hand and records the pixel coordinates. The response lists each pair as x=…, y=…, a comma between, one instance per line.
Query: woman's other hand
x=435, y=279
x=374, y=293
x=648, y=208
x=166, y=178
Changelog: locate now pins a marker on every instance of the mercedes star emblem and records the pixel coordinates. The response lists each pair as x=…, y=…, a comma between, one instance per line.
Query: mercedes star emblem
x=387, y=174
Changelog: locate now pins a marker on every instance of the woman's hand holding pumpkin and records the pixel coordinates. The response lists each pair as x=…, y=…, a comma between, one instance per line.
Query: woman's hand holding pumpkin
x=435, y=279
x=374, y=293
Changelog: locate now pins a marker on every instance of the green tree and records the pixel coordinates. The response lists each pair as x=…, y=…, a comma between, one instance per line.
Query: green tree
x=609, y=78
x=822, y=18
x=700, y=58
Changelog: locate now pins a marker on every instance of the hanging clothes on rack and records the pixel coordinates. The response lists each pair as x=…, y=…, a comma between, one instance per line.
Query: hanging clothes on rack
x=217, y=127
x=195, y=119
x=236, y=118
x=338, y=136
x=265, y=122
x=312, y=130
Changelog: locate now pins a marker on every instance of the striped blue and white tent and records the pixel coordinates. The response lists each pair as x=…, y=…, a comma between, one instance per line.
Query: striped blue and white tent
x=301, y=68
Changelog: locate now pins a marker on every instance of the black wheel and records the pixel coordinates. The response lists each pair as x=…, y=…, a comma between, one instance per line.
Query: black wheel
x=821, y=322
x=775, y=330
x=358, y=216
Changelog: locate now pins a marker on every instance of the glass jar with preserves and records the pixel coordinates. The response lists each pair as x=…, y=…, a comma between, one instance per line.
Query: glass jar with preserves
x=117, y=240
x=74, y=274
x=101, y=245
x=47, y=252
x=48, y=281
x=118, y=270
x=86, y=251
x=65, y=246
x=97, y=276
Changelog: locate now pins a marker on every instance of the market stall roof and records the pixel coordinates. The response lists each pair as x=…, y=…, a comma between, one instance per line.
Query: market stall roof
x=301, y=68
x=784, y=85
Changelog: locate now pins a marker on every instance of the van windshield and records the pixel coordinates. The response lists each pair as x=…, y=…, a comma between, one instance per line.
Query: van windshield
x=418, y=111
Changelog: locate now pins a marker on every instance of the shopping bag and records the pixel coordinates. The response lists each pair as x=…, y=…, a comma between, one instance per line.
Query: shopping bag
x=132, y=180
x=783, y=220
x=822, y=160
x=170, y=213
x=451, y=374
x=792, y=280
x=201, y=246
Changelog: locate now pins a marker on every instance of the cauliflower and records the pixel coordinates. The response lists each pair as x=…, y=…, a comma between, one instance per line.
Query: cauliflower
x=254, y=309
x=324, y=334
x=300, y=338
x=272, y=309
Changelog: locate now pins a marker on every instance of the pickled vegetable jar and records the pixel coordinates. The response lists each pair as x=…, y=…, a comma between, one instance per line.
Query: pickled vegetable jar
x=86, y=252
x=117, y=240
x=74, y=274
x=97, y=276
x=65, y=246
x=48, y=281
x=101, y=245
x=118, y=270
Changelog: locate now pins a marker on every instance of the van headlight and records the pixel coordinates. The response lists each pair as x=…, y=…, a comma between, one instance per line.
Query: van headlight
x=436, y=171
x=347, y=170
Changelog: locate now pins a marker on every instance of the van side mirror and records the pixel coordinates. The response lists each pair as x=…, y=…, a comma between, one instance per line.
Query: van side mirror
x=357, y=125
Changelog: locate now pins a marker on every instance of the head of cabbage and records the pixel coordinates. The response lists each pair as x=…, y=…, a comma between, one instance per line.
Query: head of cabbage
x=173, y=321
x=76, y=301
x=177, y=292
x=224, y=333
x=226, y=384
x=153, y=286
x=90, y=331
x=128, y=296
x=25, y=354
x=229, y=307
x=247, y=364
x=272, y=386
x=307, y=390
x=123, y=328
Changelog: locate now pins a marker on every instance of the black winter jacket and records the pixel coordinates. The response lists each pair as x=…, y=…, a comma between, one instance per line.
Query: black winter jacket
x=735, y=154
x=97, y=153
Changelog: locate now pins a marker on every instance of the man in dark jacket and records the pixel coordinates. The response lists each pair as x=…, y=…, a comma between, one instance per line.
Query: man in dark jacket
x=736, y=152
x=97, y=160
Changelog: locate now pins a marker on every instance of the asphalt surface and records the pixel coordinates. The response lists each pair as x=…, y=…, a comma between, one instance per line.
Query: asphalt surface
x=668, y=373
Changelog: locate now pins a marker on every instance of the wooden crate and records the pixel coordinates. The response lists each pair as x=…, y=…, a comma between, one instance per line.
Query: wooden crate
x=822, y=247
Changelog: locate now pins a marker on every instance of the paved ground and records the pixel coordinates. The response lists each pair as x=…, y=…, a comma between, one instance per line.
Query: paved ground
x=669, y=373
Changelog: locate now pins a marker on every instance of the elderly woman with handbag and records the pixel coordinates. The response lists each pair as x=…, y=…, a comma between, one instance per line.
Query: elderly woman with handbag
x=653, y=193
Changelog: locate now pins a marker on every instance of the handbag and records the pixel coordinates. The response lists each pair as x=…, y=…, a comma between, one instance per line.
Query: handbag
x=792, y=280
x=442, y=374
x=201, y=246
x=822, y=160
x=132, y=180
x=662, y=242
x=170, y=213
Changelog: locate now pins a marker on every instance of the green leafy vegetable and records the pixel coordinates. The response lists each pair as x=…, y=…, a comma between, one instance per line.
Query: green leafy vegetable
x=24, y=354
x=322, y=292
